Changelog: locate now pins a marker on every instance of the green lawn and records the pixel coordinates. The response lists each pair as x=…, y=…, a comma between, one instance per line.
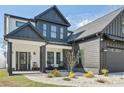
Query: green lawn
x=19, y=81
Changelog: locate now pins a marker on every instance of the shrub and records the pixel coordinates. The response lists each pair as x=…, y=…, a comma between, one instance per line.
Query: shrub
x=50, y=75
x=105, y=72
x=71, y=75
x=56, y=73
x=67, y=79
x=88, y=75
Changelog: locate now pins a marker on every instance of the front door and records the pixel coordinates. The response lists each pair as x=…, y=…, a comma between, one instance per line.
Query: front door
x=23, y=61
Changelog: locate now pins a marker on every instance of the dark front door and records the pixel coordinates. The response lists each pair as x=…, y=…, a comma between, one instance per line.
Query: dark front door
x=23, y=61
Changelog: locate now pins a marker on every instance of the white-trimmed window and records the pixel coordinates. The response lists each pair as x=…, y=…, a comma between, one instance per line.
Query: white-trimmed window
x=61, y=33
x=53, y=31
x=44, y=30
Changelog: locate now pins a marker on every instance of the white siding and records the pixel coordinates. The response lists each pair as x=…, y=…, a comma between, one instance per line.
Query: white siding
x=91, y=53
x=26, y=48
x=11, y=23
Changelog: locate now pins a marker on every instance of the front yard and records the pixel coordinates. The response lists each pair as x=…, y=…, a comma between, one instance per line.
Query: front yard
x=19, y=81
x=112, y=80
x=42, y=80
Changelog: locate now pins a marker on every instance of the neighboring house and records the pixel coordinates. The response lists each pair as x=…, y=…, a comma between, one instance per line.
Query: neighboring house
x=42, y=41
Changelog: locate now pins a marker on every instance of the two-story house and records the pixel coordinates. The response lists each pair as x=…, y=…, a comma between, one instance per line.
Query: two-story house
x=42, y=41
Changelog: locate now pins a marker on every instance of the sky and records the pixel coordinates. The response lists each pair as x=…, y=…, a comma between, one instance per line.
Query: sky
x=77, y=15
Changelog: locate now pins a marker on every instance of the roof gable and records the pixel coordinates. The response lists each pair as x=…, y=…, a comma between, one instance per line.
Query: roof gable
x=53, y=15
x=98, y=25
x=26, y=32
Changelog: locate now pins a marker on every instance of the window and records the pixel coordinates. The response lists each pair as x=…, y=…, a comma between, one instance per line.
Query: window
x=58, y=57
x=123, y=25
x=18, y=23
x=61, y=33
x=53, y=31
x=50, y=58
x=44, y=30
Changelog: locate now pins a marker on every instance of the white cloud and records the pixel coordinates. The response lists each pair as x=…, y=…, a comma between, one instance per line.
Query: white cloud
x=82, y=23
x=80, y=20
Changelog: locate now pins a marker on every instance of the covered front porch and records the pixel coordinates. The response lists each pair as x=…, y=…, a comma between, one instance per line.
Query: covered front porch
x=24, y=55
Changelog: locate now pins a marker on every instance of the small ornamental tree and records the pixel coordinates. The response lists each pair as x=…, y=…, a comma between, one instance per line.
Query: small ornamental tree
x=72, y=58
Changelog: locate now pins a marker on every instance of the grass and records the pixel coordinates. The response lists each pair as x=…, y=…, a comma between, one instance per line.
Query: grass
x=19, y=81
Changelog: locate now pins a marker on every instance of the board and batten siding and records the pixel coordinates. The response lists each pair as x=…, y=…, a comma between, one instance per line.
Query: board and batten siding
x=115, y=27
x=90, y=53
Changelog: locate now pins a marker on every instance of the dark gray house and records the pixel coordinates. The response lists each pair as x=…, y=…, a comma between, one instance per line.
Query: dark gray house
x=41, y=42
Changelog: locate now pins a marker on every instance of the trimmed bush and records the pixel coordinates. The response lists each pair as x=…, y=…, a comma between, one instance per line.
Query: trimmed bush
x=50, y=75
x=71, y=75
x=56, y=73
x=105, y=72
x=88, y=75
x=67, y=79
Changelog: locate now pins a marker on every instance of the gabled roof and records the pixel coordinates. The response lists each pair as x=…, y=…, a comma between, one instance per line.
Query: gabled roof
x=21, y=33
x=57, y=10
x=98, y=25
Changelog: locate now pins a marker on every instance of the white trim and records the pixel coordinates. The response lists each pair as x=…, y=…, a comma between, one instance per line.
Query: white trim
x=26, y=42
x=59, y=46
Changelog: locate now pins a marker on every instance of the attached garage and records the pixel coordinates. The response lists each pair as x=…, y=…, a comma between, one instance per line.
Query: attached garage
x=90, y=55
x=115, y=59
